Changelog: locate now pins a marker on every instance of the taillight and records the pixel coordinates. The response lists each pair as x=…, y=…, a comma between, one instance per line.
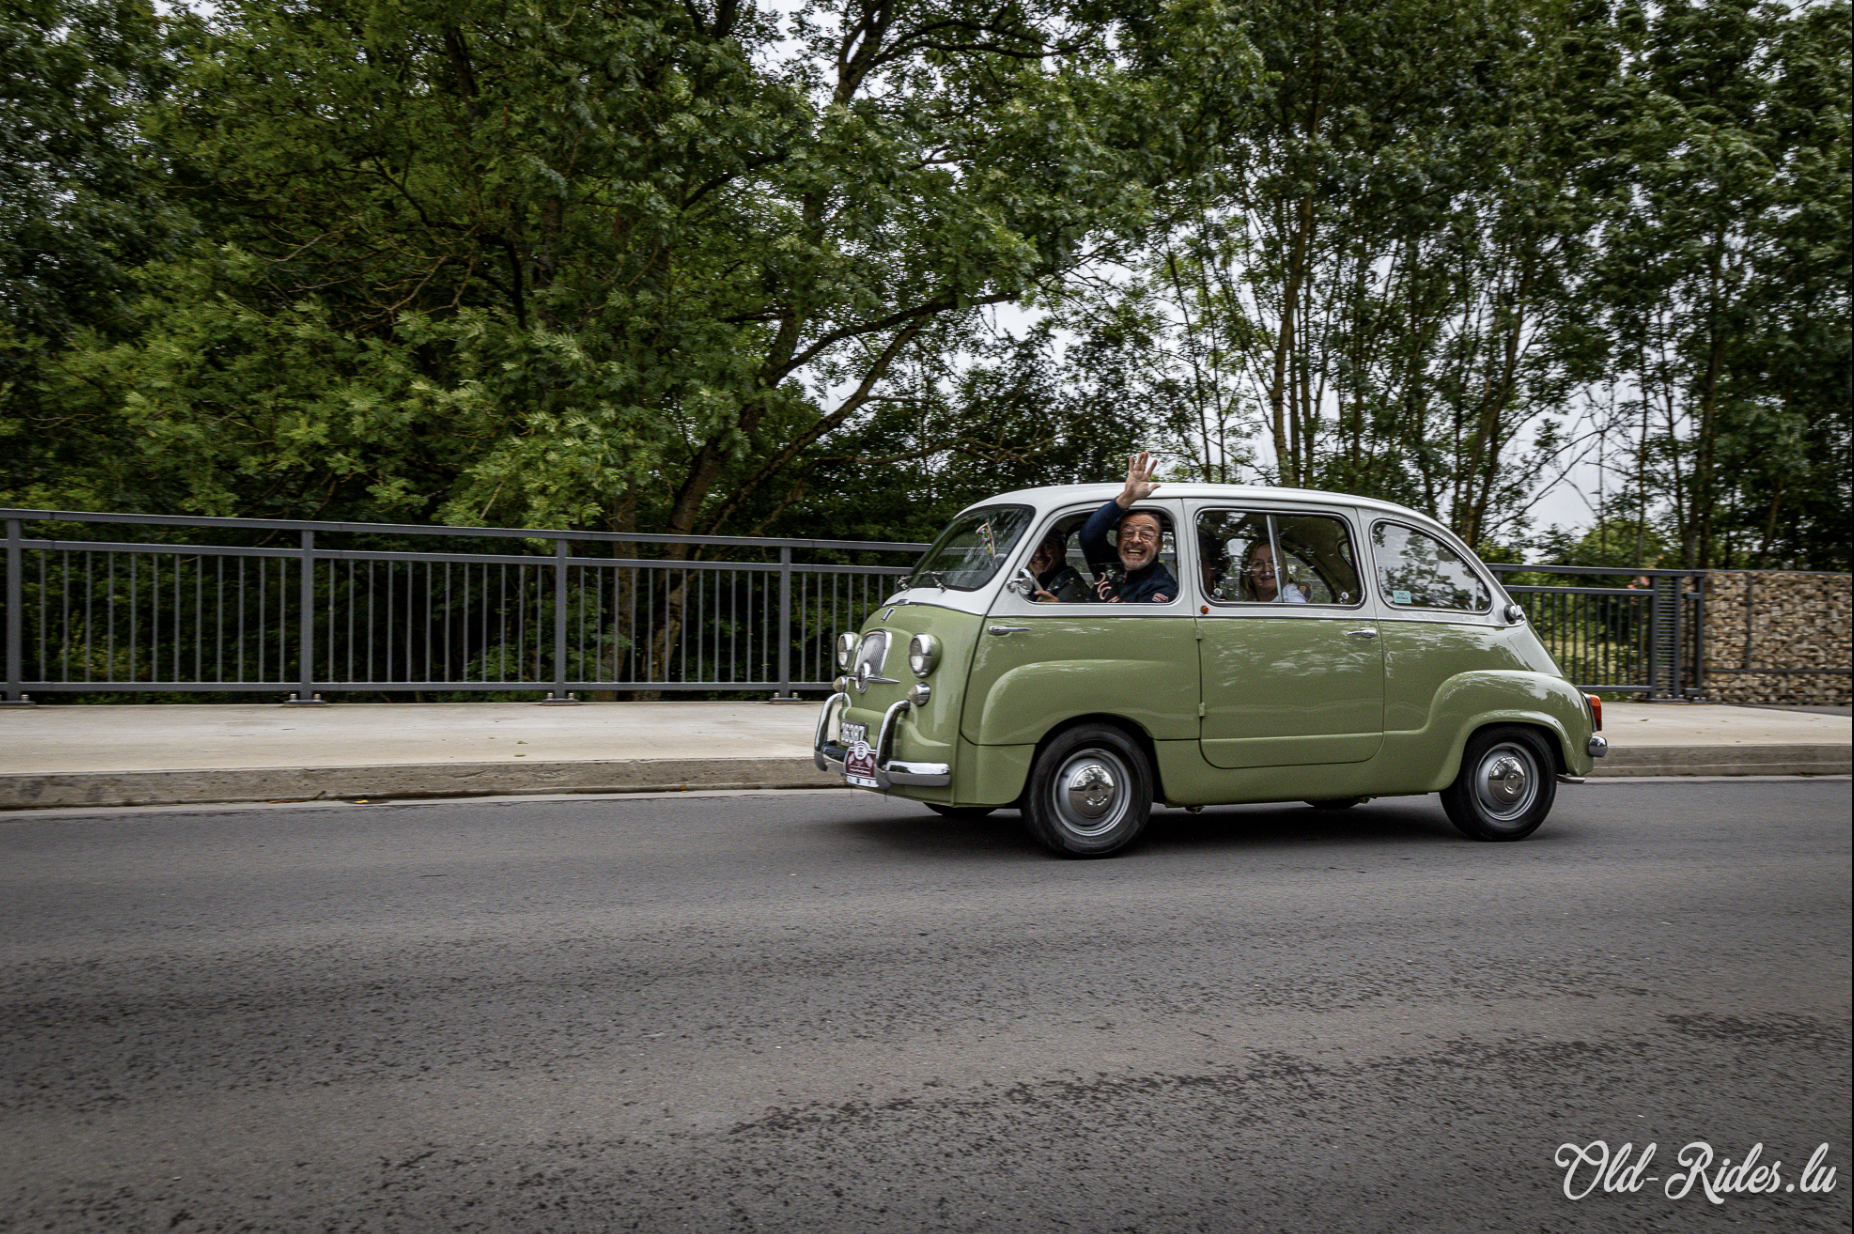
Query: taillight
x=1596, y=711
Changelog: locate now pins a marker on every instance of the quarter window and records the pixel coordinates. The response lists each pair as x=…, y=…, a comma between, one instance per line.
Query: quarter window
x=1416, y=570
x=1248, y=557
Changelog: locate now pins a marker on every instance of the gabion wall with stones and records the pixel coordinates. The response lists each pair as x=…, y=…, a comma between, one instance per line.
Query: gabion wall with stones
x=1771, y=620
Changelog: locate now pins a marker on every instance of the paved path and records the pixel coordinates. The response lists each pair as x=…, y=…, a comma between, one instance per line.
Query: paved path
x=103, y=755
x=830, y=1013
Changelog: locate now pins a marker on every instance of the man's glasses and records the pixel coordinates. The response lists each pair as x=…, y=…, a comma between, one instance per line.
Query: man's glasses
x=1137, y=534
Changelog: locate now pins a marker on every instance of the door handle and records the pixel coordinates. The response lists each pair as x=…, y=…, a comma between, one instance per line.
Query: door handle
x=1366, y=633
x=1010, y=629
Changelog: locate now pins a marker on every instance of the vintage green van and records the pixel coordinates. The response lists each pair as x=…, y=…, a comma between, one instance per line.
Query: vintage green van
x=1385, y=659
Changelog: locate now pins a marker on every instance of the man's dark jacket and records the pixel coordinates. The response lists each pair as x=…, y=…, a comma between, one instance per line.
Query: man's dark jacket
x=1140, y=585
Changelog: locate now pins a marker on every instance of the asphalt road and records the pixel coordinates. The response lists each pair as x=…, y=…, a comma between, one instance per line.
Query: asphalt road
x=823, y=1012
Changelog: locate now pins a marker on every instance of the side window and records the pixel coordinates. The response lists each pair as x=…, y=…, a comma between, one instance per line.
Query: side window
x=1057, y=561
x=1248, y=557
x=1111, y=568
x=1419, y=571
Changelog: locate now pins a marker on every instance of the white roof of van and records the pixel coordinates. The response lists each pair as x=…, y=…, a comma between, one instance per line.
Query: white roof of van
x=1063, y=494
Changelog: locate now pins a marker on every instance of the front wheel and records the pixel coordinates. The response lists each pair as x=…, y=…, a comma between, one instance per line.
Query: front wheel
x=1090, y=792
x=1505, y=787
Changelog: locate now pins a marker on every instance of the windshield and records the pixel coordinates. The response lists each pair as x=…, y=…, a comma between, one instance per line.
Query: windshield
x=969, y=552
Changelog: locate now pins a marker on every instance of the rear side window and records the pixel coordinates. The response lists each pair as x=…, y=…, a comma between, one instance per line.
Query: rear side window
x=1248, y=557
x=1416, y=570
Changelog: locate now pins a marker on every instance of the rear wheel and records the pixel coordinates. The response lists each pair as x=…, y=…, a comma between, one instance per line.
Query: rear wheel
x=959, y=811
x=1505, y=787
x=1090, y=792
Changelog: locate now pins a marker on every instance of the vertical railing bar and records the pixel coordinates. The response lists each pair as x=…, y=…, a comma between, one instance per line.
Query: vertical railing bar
x=90, y=629
x=395, y=628
x=784, y=626
x=305, y=620
x=134, y=611
x=334, y=625
x=199, y=618
x=154, y=617
x=64, y=661
x=263, y=594
x=353, y=595
x=240, y=610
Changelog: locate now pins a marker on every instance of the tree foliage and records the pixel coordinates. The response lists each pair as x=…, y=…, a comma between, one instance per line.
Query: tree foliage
x=675, y=265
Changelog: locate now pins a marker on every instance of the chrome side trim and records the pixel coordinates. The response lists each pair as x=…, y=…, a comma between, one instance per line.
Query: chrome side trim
x=928, y=775
x=1599, y=746
x=1564, y=779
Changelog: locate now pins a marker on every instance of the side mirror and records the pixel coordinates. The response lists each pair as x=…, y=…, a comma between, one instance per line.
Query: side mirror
x=1024, y=584
x=1515, y=615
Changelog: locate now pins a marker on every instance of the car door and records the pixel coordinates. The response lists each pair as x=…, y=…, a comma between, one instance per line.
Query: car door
x=1290, y=662
x=1037, y=664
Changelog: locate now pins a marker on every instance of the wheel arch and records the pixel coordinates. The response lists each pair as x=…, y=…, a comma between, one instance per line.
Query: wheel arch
x=1135, y=732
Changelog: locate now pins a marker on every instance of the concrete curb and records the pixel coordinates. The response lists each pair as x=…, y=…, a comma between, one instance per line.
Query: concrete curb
x=218, y=785
x=1734, y=760
x=207, y=786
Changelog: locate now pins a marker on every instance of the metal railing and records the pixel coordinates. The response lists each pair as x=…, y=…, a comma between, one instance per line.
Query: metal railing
x=154, y=604
x=186, y=606
x=1644, y=636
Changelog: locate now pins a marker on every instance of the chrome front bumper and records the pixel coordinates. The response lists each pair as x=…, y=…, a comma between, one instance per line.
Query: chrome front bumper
x=889, y=771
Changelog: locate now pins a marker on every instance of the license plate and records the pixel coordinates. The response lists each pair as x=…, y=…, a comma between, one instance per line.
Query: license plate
x=859, y=765
x=852, y=732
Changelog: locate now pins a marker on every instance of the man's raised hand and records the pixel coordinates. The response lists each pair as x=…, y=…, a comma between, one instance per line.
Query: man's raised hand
x=1139, y=480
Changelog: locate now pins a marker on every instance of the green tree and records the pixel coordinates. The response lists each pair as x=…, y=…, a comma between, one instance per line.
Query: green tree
x=620, y=265
x=1728, y=281
x=1385, y=287
x=81, y=206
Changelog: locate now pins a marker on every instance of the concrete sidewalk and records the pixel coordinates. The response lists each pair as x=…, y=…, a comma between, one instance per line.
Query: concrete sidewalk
x=176, y=755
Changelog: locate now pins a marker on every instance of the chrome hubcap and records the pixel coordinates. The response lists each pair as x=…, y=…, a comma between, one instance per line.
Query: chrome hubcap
x=1507, y=783
x=1090, y=792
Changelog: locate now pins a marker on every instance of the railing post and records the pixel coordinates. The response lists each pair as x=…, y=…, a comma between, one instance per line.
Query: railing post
x=784, y=693
x=560, y=694
x=305, y=625
x=15, y=617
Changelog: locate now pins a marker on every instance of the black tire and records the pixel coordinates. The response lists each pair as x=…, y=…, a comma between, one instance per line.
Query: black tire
x=1338, y=803
x=959, y=811
x=1507, y=782
x=1090, y=792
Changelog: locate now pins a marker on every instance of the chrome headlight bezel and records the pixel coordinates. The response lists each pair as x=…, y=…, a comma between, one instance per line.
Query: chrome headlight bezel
x=923, y=654
x=847, y=643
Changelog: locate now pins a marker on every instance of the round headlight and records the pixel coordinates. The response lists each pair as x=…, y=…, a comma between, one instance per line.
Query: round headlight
x=923, y=652
x=846, y=650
